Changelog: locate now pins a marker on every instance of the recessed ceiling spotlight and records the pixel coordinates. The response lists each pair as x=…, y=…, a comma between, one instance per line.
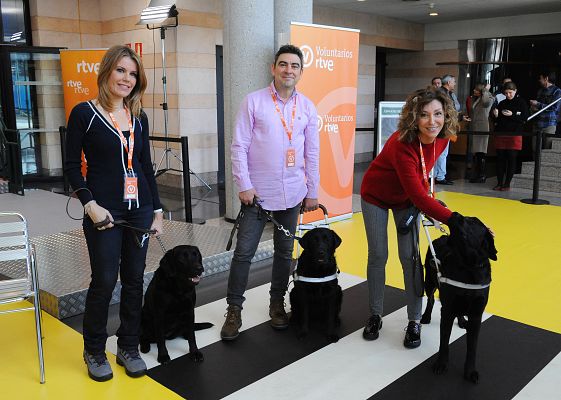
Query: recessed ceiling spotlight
x=432, y=11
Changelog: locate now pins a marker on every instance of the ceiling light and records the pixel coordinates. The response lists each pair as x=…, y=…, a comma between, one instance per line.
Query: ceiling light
x=432, y=11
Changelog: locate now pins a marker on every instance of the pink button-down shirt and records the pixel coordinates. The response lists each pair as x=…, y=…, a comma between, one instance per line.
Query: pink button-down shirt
x=260, y=144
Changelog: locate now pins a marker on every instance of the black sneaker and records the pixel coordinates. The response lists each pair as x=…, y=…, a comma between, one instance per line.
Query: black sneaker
x=372, y=328
x=412, y=335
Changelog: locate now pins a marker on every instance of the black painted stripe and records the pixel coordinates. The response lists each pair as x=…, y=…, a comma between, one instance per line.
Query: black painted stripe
x=509, y=356
x=260, y=351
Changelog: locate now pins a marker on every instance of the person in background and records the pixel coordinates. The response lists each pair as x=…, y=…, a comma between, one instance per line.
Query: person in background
x=398, y=179
x=436, y=82
x=275, y=161
x=510, y=116
x=546, y=121
x=448, y=87
x=499, y=94
x=112, y=131
x=481, y=105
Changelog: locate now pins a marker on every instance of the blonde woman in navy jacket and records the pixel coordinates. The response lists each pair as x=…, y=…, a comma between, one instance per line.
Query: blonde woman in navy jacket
x=112, y=131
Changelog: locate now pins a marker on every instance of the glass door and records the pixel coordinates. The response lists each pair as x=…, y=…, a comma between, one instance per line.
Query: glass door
x=34, y=106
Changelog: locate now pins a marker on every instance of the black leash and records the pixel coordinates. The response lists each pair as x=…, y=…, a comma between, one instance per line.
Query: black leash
x=260, y=210
x=119, y=222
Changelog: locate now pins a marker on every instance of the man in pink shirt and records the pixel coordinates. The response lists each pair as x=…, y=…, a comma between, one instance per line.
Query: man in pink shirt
x=275, y=159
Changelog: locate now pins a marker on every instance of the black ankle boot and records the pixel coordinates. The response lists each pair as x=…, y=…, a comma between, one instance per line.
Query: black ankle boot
x=475, y=168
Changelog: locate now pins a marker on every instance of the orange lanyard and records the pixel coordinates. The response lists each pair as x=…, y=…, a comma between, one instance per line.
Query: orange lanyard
x=424, y=165
x=288, y=131
x=129, y=148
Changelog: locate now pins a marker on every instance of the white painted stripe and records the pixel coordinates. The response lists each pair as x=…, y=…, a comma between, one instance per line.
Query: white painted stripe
x=545, y=385
x=255, y=312
x=352, y=368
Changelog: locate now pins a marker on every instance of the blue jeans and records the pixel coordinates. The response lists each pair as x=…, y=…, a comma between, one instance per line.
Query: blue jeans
x=113, y=251
x=440, y=165
x=249, y=233
x=376, y=225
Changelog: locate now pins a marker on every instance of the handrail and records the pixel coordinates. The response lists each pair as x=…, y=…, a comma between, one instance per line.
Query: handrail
x=543, y=109
x=184, y=140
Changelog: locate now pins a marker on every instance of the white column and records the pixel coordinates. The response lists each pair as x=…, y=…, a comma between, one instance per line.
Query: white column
x=248, y=54
x=287, y=11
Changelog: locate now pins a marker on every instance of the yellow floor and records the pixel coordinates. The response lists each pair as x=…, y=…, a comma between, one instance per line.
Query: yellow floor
x=66, y=376
x=527, y=275
x=526, y=284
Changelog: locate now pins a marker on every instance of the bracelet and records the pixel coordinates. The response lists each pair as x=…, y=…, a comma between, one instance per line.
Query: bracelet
x=159, y=210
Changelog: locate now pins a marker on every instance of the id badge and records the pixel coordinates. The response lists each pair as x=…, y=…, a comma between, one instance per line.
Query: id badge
x=131, y=187
x=290, y=157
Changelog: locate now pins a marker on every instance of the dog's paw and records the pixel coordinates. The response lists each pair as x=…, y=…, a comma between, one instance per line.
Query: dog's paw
x=196, y=356
x=425, y=319
x=462, y=322
x=440, y=367
x=144, y=347
x=472, y=376
x=333, y=338
x=163, y=358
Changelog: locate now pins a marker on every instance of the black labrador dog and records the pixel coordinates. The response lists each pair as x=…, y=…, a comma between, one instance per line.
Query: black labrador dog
x=169, y=303
x=464, y=257
x=317, y=300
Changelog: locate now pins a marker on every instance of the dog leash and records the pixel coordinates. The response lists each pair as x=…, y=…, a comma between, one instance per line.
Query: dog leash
x=260, y=210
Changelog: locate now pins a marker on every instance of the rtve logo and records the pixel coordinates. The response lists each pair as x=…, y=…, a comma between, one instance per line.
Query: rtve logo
x=308, y=55
x=87, y=67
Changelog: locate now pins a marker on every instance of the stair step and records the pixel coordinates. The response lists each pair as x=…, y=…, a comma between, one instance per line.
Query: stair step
x=547, y=169
x=551, y=156
x=526, y=181
x=556, y=144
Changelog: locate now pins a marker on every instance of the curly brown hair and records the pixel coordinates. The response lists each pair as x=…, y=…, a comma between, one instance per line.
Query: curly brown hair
x=411, y=111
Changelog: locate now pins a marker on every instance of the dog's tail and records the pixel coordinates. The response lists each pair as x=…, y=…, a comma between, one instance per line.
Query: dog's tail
x=199, y=326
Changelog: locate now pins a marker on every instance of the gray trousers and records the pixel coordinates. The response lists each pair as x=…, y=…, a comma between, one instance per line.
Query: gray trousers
x=249, y=233
x=376, y=225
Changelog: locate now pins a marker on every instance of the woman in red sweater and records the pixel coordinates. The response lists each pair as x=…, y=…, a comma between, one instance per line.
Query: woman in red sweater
x=398, y=180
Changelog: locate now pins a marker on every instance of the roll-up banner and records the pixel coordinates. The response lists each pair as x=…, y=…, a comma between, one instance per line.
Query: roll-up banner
x=79, y=75
x=79, y=79
x=330, y=81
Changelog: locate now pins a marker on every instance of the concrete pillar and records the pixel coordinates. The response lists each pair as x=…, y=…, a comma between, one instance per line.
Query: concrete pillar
x=287, y=11
x=248, y=54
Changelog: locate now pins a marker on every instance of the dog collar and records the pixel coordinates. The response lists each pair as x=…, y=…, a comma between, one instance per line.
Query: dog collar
x=315, y=280
x=451, y=282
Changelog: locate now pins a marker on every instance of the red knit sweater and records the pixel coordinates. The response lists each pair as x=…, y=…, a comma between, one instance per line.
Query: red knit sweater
x=394, y=180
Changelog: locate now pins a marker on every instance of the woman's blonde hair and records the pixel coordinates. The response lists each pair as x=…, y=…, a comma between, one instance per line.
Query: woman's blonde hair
x=108, y=64
x=411, y=112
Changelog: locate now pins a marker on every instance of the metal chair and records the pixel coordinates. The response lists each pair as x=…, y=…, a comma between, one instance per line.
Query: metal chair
x=18, y=280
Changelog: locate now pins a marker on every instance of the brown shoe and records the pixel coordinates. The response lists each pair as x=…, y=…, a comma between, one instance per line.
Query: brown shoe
x=279, y=319
x=230, y=329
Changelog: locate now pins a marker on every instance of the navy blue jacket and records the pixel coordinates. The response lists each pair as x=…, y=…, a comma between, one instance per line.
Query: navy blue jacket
x=89, y=131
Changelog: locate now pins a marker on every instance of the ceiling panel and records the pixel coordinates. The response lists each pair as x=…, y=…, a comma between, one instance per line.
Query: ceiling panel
x=449, y=10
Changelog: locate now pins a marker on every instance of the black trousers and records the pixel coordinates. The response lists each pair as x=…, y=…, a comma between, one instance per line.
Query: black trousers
x=506, y=165
x=113, y=251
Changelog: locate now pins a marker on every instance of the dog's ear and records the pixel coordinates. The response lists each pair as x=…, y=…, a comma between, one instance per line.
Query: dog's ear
x=490, y=246
x=336, y=239
x=304, y=240
x=167, y=263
